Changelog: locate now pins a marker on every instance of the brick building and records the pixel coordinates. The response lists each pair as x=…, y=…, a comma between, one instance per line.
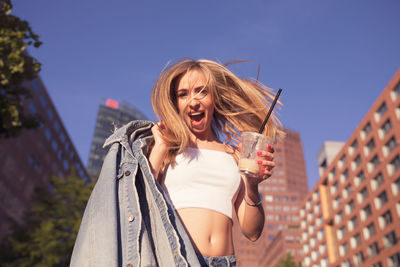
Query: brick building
x=352, y=215
x=27, y=161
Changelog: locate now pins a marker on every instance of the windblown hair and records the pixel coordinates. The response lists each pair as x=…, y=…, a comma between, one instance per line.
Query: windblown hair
x=239, y=104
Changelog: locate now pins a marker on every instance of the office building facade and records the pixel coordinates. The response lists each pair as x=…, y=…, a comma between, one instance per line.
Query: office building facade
x=110, y=116
x=27, y=161
x=352, y=215
x=282, y=194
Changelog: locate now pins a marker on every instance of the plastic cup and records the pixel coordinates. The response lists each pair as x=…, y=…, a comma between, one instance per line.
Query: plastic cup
x=251, y=143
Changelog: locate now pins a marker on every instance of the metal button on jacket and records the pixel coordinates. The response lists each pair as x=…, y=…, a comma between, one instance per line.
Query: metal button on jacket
x=127, y=173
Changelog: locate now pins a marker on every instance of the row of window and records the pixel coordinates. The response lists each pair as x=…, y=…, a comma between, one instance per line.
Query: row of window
x=389, y=240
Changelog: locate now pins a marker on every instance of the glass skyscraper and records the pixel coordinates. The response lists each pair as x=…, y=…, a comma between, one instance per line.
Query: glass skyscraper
x=110, y=116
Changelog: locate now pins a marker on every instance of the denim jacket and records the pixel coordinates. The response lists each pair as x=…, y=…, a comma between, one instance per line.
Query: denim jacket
x=128, y=221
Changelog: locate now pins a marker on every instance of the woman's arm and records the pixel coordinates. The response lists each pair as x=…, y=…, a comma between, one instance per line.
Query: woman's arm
x=159, y=150
x=248, y=205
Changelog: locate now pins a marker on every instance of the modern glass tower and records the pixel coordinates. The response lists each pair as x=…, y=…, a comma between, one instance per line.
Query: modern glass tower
x=110, y=116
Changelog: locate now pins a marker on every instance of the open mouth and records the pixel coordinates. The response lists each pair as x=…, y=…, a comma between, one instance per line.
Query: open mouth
x=196, y=116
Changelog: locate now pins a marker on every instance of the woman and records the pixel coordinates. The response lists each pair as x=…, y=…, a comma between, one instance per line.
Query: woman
x=202, y=108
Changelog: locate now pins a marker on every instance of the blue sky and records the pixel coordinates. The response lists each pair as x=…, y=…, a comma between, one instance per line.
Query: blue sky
x=332, y=58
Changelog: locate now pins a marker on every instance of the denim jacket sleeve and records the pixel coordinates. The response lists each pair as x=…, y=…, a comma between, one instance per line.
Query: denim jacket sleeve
x=128, y=220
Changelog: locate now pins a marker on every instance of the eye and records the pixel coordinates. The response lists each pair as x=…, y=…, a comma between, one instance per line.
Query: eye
x=202, y=91
x=182, y=93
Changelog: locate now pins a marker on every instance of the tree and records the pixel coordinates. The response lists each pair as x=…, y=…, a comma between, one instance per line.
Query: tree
x=48, y=237
x=16, y=67
x=288, y=262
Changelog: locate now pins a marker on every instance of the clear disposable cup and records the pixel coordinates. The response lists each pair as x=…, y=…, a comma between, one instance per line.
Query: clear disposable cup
x=252, y=142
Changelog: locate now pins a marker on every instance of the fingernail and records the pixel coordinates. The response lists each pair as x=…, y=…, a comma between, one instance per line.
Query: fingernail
x=259, y=161
x=269, y=146
x=259, y=153
x=262, y=170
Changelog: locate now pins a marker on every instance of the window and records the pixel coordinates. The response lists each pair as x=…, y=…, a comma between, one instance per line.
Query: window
x=373, y=163
x=54, y=145
x=349, y=207
x=56, y=126
x=362, y=195
x=381, y=200
x=346, y=263
x=355, y=240
x=62, y=137
x=66, y=165
x=360, y=177
x=369, y=231
x=50, y=114
x=347, y=191
x=389, y=146
x=341, y=232
x=342, y=161
x=352, y=224
x=344, y=176
x=394, y=260
x=396, y=187
x=395, y=92
x=390, y=240
x=353, y=147
x=380, y=111
x=366, y=212
x=369, y=147
x=373, y=250
x=32, y=107
x=377, y=181
x=366, y=130
x=339, y=217
x=378, y=264
x=35, y=85
x=356, y=162
x=337, y=202
x=43, y=100
x=386, y=127
x=358, y=258
x=332, y=174
x=394, y=165
x=334, y=188
x=343, y=249
x=47, y=133
x=385, y=219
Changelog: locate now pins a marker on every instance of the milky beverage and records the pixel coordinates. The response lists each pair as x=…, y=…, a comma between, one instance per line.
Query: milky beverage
x=248, y=166
x=252, y=143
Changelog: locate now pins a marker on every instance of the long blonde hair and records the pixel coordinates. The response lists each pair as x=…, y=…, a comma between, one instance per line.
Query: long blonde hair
x=239, y=104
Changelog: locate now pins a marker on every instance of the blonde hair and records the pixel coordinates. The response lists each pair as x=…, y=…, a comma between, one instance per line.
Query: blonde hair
x=239, y=104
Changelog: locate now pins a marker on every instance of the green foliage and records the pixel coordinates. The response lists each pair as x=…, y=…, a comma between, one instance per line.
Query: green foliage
x=288, y=262
x=16, y=67
x=48, y=237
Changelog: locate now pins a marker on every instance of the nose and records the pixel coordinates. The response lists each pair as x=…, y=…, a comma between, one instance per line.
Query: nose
x=194, y=103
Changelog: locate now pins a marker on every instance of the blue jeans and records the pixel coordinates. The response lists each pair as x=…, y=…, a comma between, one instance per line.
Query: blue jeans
x=223, y=261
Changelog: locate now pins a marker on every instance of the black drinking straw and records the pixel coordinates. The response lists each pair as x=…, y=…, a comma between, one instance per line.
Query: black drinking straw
x=270, y=111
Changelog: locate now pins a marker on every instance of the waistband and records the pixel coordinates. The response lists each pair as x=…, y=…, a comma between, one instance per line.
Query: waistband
x=223, y=261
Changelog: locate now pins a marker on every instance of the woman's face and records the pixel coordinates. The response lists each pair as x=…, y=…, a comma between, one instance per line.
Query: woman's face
x=195, y=103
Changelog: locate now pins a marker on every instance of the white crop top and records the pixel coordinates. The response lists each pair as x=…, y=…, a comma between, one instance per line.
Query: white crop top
x=203, y=178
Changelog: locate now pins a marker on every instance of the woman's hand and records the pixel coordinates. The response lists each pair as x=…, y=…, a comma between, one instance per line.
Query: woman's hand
x=158, y=129
x=266, y=163
x=159, y=150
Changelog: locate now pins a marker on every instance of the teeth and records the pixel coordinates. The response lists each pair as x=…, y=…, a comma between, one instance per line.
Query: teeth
x=196, y=113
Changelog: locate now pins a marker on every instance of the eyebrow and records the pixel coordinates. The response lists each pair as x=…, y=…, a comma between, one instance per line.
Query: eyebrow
x=197, y=88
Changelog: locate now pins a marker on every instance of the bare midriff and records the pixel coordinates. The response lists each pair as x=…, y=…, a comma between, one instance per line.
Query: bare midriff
x=210, y=231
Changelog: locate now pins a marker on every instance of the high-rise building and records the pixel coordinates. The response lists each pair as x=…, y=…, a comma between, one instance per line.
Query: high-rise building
x=283, y=192
x=352, y=215
x=27, y=161
x=111, y=115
